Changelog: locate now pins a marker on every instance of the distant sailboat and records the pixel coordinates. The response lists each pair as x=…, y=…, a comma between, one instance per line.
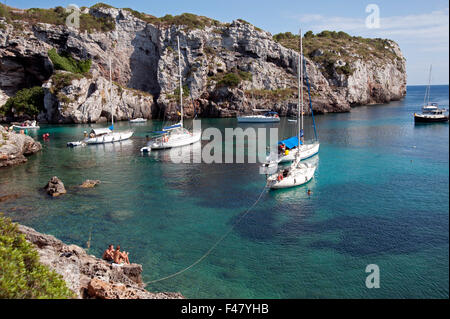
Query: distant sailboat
x=175, y=135
x=297, y=173
x=266, y=116
x=104, y=135
x=431, y=113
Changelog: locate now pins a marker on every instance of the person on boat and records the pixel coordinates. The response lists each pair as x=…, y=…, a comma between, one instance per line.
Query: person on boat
x=121, y=257
x=108, y=254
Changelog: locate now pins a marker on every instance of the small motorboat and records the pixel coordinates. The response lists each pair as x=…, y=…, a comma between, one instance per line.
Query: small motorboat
x=268, y=117
x=138, y=120
x=27, y=125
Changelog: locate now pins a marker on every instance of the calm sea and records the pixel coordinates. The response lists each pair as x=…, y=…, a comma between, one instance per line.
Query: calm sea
x=380, y=196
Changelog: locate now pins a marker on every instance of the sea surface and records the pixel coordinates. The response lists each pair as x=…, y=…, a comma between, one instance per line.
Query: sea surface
x=380, y=196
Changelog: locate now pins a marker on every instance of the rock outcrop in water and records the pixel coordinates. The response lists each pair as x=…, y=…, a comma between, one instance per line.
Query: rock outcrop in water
x=90, y=277
x=227, y=68
x=14, y=147
x=55, y=187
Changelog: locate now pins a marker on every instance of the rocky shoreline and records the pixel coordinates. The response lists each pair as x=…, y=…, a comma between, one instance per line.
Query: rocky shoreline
x=15, y=147
x=90, y=277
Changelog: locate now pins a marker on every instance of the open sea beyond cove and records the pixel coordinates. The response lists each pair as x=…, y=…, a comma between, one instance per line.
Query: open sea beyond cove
x=380, y=196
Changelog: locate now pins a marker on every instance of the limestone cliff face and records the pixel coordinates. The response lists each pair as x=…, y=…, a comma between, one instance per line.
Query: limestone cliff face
x=145, y=58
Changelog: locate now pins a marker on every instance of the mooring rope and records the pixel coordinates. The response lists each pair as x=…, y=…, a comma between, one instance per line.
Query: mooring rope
x=215, y=244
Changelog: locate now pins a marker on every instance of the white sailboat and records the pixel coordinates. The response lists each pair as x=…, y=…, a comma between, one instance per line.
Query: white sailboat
x=297, y=173
x=288, y=148
x=104, y=135
x=175, y=135
x=431, y=113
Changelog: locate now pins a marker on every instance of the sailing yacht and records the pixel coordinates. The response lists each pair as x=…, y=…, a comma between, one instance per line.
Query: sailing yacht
x=176, y=135
x=288, y=148
x=104, y=135
x=297, y=173
x=431, y=113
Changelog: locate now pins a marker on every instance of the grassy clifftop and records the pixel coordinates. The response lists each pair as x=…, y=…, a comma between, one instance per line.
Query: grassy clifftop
x=327, y=47
x=56, y=16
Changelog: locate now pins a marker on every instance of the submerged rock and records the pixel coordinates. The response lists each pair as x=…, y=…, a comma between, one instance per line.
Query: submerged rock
x=55, y=187
x=90, y=183
x=88, y=276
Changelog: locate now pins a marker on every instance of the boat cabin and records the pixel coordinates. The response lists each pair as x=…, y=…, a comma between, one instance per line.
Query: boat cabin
x=99, y=132
x=433, y=109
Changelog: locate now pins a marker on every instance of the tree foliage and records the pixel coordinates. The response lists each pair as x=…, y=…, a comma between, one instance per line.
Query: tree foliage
x=26, y=101
x=21, y=274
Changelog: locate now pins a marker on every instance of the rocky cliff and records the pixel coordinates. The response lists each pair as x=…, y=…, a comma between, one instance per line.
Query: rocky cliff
x=90, y=277
x=14, y=147
x=227, y=68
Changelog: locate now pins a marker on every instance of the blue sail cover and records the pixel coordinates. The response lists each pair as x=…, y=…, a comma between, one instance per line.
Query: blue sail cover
x=290, y=143
x=172, y=127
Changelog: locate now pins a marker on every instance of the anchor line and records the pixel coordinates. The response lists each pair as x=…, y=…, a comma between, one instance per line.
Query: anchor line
x=215, y=244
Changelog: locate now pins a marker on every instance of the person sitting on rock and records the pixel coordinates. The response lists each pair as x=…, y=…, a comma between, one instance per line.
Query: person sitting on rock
x=108, y=254
x=121, y=257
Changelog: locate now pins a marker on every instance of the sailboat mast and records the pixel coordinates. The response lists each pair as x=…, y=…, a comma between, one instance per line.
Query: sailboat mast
x=300, y=94
x=181, y=80
x=110, y=93
x=301, y=85
x=429, y=84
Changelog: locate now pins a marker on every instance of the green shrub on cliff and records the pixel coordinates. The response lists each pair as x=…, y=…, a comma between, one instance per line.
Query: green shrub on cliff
x=21, y=274
x=26, y=102
x=66, y=62
x=230, y=80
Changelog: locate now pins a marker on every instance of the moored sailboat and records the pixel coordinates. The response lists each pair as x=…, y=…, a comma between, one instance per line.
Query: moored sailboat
x=104, y=135
x=431, y=113
x=297, y=173
x=176, y=135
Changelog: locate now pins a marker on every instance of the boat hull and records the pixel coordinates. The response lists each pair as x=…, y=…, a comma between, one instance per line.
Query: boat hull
x=18, y=127
x=418, y=118
x=174, y=142
x=104, y=139
x=258, y=120
x=306, y=151
x=303, y=176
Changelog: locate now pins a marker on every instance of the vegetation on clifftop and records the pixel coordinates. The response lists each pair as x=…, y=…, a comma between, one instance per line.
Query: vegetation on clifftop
x=21, y=274
x=56, y=16
x=328, y=47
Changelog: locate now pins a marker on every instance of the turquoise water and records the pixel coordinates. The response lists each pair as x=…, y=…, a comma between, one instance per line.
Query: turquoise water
x=380, y=196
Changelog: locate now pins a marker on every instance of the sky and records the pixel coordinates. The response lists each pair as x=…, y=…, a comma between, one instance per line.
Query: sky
x=421, y=28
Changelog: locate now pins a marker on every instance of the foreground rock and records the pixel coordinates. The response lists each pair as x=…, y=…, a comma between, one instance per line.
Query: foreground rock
x=14, y=147
x=55, y=187
x=88, y=276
